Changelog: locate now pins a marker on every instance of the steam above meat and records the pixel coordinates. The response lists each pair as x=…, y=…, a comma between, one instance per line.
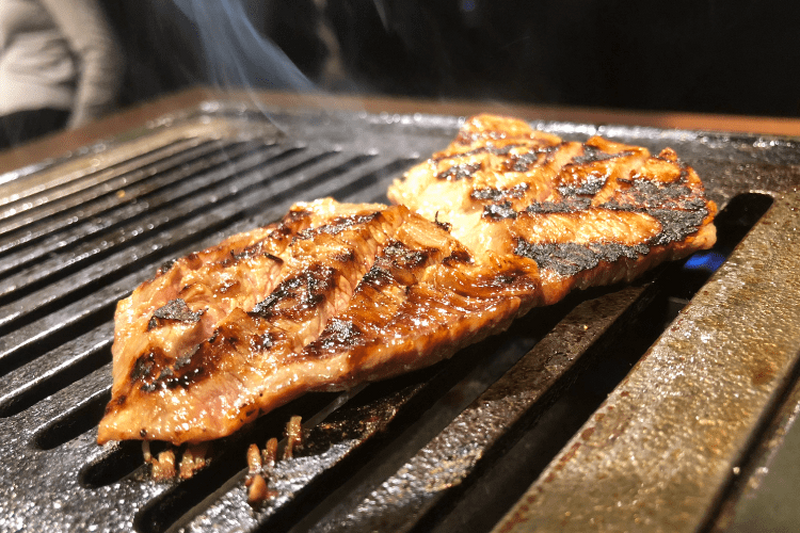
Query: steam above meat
x=334, y=295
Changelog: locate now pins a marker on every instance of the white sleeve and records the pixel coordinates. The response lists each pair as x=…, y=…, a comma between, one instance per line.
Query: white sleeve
x=100, y=58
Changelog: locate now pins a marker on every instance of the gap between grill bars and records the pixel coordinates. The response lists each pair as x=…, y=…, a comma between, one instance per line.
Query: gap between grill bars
x=418, y=452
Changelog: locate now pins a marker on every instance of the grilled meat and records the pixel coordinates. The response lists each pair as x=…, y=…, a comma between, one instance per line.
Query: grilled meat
x=588, y=213
x=337, y=294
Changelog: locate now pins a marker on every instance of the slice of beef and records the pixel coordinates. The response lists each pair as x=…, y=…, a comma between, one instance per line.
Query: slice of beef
x=334, y=295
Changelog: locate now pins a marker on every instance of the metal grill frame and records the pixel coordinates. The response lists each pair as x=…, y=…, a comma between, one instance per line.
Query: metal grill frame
x=79, y=232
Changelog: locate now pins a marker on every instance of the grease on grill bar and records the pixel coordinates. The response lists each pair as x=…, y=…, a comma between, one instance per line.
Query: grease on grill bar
x=420, y=452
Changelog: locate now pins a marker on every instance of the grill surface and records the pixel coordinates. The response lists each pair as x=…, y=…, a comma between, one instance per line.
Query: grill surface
x=548, y=415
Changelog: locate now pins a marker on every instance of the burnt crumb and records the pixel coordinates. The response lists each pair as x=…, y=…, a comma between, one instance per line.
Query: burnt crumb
x=261, y=463
x=254, y=463
x=165, y=266
x=269, y=455
x=194, y=458
x=294, y=437
x=569, y=259
x=163, y=468
x=143, y=433
x=174, y=310
x=499, y=211
x=444, y=225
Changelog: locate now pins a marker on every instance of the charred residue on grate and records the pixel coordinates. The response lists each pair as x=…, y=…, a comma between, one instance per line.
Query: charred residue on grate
x=79, y=248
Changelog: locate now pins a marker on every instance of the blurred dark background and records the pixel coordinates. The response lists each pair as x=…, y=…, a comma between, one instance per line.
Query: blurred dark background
x=736, y=57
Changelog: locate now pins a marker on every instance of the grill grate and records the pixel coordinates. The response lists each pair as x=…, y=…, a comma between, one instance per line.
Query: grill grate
x=449, y=448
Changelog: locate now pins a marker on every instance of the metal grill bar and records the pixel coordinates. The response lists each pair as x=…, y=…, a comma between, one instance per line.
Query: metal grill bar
x=67, y=225
x=86, y=182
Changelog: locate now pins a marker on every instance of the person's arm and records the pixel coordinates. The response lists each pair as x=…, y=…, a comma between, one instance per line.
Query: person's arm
x=100, y=58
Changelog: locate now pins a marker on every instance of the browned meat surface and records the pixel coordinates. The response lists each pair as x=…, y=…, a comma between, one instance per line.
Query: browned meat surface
x=337, y=294
x=588, y=213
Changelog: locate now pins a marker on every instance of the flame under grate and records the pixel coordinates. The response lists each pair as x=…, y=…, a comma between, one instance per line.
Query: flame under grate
x=450, y=448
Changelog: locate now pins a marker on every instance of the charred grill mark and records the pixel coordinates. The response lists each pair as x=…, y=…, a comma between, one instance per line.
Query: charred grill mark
x=142, y=367
x=497, y=195
x=568, y=259
x=145, y=368
x=203, y=360
x=378, y=277
x=459, y=171
x=678, y=208
x=527, y=161
x=198, y=364
x=299, y=293
x=337, y=334
x=459, y=257
x=566, y=205
x=174, y=310
x=488, y=149
x=676, y=224
x=523, y=162
x=185, y=359
x=406, y=258
x=643, y=193
x=589, y=186
x=499, y=211
x=247, y=253
x=583, y=176
x=339, y=225
x=594, y=154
